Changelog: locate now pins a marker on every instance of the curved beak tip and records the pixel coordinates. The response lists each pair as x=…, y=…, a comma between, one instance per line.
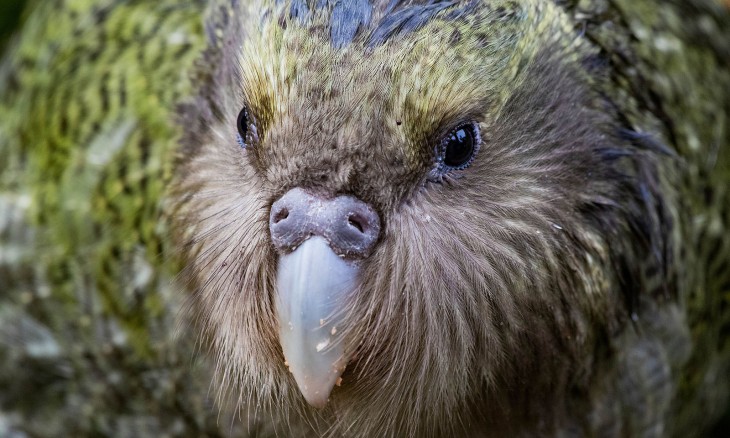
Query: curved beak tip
x=317, y=371
x=316, y=391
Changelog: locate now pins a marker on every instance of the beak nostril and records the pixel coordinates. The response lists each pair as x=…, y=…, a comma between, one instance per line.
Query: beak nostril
x=356, y=222
x=350, y=226
x=281, y=215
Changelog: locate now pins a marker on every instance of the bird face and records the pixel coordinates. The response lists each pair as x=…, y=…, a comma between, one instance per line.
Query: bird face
x=396, y=216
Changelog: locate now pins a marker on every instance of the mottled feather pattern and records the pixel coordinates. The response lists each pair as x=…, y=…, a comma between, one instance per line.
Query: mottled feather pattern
x=87, y=310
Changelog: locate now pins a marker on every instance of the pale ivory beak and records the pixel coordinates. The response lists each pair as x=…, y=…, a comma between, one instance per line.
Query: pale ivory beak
x=313, y=286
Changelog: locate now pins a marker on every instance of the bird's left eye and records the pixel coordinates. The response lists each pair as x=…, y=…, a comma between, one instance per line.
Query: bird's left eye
x=458, y=148
x=242, y=125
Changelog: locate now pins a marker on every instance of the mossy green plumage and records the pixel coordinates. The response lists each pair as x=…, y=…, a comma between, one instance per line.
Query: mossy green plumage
x=87, y=138
x=88, y=93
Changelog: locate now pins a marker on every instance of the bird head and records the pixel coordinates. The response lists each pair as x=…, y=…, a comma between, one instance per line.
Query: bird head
x=395, y=212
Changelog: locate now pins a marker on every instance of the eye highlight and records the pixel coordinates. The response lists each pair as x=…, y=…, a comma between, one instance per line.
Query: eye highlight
x=242, y=125
x=459, y=147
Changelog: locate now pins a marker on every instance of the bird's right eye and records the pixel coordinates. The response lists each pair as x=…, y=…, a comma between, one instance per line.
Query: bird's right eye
x=457, y=150
x=242, y=124
x=460, y=146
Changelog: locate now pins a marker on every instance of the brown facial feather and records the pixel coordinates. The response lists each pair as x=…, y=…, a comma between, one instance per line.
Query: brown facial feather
x=489, y=289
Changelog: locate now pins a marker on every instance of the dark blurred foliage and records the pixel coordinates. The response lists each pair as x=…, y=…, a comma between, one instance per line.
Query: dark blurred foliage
x=10, y=19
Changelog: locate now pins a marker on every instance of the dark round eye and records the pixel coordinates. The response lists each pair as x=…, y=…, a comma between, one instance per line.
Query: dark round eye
x=459, y=146
x=242, y=124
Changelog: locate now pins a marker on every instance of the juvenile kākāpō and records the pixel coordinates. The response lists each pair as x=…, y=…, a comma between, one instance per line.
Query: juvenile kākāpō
x=398, y=218
x=463, y=218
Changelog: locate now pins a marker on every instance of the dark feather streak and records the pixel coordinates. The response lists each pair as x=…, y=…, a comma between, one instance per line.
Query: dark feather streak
x=406, y=20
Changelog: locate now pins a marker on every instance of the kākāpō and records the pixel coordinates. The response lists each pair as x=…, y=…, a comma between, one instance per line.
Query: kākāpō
x=453, y=218
x=480, y=218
